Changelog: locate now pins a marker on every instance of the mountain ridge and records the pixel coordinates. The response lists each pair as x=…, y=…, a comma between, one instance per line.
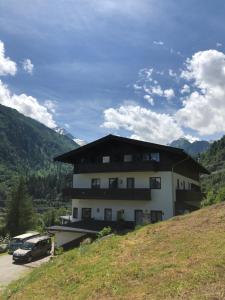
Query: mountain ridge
x=194, y=149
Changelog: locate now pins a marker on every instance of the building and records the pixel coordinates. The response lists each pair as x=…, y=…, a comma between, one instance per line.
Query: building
x=124, y=181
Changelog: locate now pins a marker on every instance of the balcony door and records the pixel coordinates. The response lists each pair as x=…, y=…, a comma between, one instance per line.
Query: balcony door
x=108, y=214
x=113, y=183
x=138, y=216
x=156, y=216
x=86, y=213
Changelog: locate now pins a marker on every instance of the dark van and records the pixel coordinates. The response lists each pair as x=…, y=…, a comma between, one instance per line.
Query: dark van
x=33, y=248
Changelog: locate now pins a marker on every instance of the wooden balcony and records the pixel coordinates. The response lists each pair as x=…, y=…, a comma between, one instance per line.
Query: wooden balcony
x=133, y=166
x=187, y=200
x=108, y=194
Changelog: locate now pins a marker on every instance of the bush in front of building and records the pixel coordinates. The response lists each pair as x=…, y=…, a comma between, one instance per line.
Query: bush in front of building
x=105, y=231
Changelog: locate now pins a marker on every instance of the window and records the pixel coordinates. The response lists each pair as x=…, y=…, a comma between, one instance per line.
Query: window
x=127, y=157
x=108, y=214
x=178, y=184
x=138, y=216
x=130, y=183
x=95, y=183
x=155, y=182
x=156, y=216
x=75, y=212
x=113, y=183
x=155, y=156
x=86, y=213
x=146, y=156
x=106, y=159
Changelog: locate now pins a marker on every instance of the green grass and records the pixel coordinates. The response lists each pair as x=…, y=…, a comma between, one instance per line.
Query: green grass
x=183, y=258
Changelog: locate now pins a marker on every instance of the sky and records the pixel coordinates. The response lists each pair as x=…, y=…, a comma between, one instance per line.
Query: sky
x=150, y=69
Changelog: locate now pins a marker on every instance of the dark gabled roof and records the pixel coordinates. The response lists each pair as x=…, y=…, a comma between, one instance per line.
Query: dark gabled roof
x=69, y=156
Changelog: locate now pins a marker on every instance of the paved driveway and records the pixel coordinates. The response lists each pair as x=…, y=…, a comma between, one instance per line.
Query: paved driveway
x=10, y=271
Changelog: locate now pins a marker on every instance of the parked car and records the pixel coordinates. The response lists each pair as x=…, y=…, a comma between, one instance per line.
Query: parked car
x=33, y=248
x=17, y=241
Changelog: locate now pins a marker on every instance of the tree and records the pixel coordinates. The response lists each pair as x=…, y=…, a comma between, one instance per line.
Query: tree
x=20, y=215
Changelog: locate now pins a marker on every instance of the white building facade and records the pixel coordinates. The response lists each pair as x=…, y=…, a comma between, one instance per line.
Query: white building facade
x=118, y=179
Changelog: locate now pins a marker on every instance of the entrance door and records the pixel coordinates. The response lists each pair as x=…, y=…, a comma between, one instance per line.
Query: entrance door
x=138, y=216
x=156, y=216
x=108, y=214
x=86, y=213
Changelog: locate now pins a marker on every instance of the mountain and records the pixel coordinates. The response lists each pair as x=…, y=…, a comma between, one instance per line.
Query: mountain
x=182, y=258
x=28, y=147
x=194, y=148
x=26, y=144
x=63, y=131
x=214, y=158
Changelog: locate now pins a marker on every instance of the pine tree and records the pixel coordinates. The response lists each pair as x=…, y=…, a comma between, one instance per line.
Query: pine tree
x=20, y=215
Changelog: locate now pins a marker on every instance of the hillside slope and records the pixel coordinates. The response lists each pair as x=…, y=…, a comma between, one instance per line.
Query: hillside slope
x=26, y=144
x=214, y=160
x=182, y=258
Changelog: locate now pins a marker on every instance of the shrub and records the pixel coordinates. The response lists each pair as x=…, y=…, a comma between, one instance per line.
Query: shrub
x=105, y=231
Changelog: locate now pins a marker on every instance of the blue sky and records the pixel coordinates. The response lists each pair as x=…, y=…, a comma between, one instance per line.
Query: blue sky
x=106, y=66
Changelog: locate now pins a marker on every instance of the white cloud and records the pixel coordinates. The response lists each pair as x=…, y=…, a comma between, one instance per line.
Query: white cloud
x=80, y=142
x=191, y=138
x=51, y=105
x=27, y=105
x=169, y=94
x=149, y=99
x=28, y=66
x=157, y=90
x=185, y=89
x=158, y=43
x=219, y=44
x=145, y=124
x=204, y=109
x=7, y=66
x=137, y=87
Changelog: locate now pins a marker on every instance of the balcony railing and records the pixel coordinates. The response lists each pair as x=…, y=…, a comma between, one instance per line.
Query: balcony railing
x=116, y=167
x=191, y=196
x=108, y=194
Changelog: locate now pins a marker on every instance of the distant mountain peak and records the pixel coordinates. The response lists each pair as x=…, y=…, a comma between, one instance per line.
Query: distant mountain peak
x=63, y=131
x=193, y=148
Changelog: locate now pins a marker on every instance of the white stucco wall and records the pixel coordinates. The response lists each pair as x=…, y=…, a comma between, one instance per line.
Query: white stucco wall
x=161, y=199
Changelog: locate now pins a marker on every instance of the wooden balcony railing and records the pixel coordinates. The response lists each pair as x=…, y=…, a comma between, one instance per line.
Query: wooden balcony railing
x=108, y=194
x=116, y=167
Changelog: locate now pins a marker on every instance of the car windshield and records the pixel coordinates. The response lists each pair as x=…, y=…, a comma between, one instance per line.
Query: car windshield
x=27, y=246
x=15, y=241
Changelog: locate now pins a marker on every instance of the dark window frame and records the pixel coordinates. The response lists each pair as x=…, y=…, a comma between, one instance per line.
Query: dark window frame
x=158, y=156
x=117, y=183
x=129, y=155
x=96, y=186
x=133, y=183
x=106, y=162
x=75, y=216
x=156, y=213
x=136, y=211
x=82, y=214
x=154, y=187
x=107, y=209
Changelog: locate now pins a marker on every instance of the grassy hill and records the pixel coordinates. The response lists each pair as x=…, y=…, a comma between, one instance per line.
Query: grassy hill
x=183, y=258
